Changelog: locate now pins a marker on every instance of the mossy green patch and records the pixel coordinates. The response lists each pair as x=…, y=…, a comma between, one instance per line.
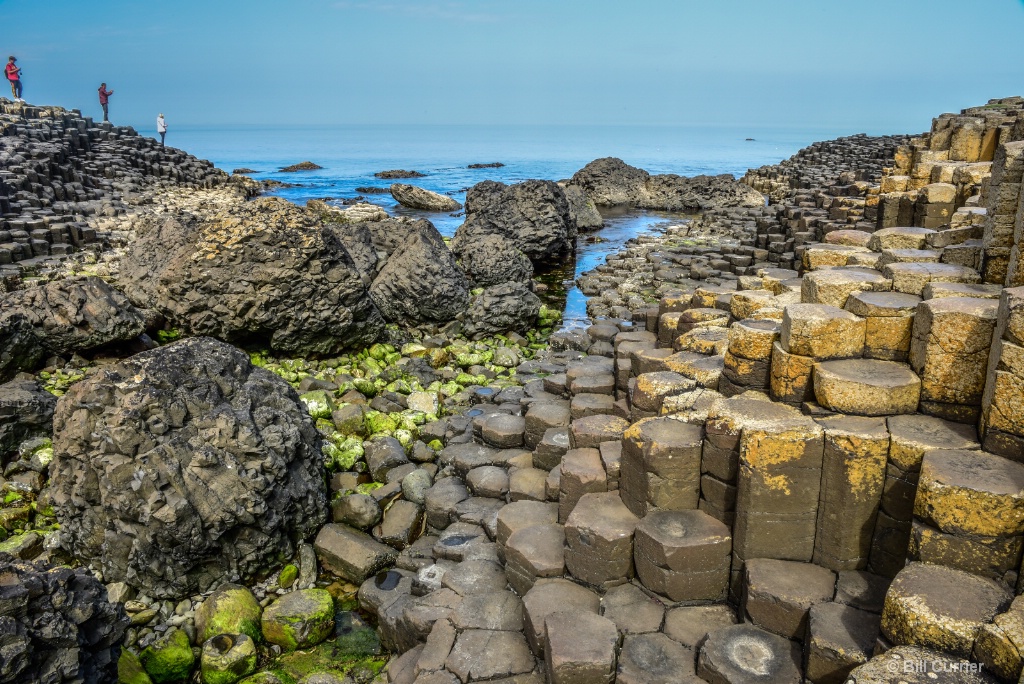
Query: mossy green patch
x=232, y=609
x=287, y=576
x=129, y=669
x=169, y=659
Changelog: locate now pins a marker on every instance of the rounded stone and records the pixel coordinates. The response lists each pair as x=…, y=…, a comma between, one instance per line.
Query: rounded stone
x=299, y=619
x=488, y=481
x=866, y=387
x=226, y=658
x=232, y=609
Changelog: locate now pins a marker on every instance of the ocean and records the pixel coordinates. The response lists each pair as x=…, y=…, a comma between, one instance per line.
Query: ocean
x=350, y=155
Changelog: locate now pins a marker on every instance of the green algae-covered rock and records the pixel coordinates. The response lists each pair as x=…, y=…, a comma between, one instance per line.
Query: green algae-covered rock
x=232, y=609
x=169, y=658
x=378, y=423
x=300, y=619
x=343, y=454
x=365, y=387
x=130, y=670
x=355, y=655
x=287, y=576
x=269, y=677
x=227, y=658
x=318, y=403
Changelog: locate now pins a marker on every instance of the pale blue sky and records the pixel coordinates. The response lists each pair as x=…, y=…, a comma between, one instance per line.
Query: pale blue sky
x=871, y=65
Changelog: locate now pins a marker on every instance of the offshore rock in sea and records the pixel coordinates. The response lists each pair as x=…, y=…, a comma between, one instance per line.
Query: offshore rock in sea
x=421, y=283
x=533, y=215
x=418, y=198
x=612, y=182
x=493, y=260
x=76, y=315
x=268, y=272
x=185, y=467
x=56, y=625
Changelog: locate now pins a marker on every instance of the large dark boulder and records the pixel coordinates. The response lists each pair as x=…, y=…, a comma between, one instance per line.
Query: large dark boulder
x=57, y=625
x=26, y=411
x=493, y=260
x=185, y=467
x=390, y=234
x=358, y=242
x=533, y=215
x=421, y=283
x=269, y=272
x=501, y=308
x=76, y=315
x=612, y=182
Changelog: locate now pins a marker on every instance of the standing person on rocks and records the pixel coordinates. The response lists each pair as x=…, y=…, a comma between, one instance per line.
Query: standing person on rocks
x=104, y=98
x=13, y=73
x=161, y=128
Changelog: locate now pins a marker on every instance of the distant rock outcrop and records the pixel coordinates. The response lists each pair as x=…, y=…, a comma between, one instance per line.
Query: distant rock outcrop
x=301, y=166
x=270, y=272
x=184, y=466
x=396, y=174
x=418, y=198
x=492, y=165
x=612, y=182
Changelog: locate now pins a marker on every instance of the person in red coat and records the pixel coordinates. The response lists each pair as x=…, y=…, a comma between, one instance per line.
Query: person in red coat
x=104, y=98
x=13, y=73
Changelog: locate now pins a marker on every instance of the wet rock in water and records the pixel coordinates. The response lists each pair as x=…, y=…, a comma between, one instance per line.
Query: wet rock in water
x=397, y=173
x=69, y=316
x=419, y=198
x=56, y=625
x=272, y=271
x=494, y=259
x=583, y=210
x=491, y=165
x=244, y=170
x=611, y=182
x=26, y=411
x=534, y=216
x=421, y=281
x=301, y=166
x=501, y=308
x=370, y=190
x=234, y=439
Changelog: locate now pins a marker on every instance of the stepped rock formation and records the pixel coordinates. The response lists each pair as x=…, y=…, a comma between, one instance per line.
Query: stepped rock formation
x=184, y=466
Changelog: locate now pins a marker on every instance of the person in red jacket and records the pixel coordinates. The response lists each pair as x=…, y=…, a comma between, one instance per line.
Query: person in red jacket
x=104, y=97
x=13, y=73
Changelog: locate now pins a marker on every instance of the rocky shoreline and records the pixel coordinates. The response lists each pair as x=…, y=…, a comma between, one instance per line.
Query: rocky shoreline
x=285, y=444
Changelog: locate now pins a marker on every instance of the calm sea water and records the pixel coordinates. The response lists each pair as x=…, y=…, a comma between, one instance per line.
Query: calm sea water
x=350, y=155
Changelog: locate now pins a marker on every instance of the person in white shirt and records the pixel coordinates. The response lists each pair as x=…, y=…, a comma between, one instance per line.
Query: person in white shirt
x=161, y=128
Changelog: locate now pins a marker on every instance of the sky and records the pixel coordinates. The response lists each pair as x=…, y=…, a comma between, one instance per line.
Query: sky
x=875, y=66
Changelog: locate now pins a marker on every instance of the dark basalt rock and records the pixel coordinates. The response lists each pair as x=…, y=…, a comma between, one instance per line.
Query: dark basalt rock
x=534, y=216
x=492, y=165
x=500, y=308
x=19, y=347
x=612, y=182
x=268, y=273
x=493, y=260
x=244, y=170
x=395, y=174
x=370, y=190
x=56, y=625
x=421, y=282
x=301, y=166
x=76, y=315
x=26, y=411
x=184, y=467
